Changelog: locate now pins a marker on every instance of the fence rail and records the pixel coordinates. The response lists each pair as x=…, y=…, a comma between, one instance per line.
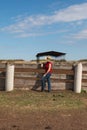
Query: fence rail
x=60, y=71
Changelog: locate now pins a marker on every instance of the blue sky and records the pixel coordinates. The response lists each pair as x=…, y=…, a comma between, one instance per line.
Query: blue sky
x=28, y=27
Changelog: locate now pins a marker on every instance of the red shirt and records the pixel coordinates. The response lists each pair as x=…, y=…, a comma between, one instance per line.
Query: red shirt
x=47, y=67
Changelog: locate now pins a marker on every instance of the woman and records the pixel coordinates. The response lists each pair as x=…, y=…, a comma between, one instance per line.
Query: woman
x=46, y=75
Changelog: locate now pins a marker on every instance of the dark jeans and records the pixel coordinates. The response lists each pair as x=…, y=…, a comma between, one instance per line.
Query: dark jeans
x=44, y=80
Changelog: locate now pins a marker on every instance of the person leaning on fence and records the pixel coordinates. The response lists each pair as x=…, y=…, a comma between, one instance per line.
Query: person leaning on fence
x=46, y=76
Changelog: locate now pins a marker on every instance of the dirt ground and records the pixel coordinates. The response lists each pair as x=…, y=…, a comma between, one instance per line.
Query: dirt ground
x=61, y=119
x=37, y=120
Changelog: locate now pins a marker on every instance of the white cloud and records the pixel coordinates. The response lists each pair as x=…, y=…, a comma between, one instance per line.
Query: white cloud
x=72, y=13
x=81, y=35
x=26, y=25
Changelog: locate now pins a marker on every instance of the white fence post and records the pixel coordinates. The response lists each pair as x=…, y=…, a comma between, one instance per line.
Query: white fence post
x=78, y=78
x=9, y=83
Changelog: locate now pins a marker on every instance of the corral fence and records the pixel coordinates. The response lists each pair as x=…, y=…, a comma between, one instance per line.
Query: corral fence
x=28, y=76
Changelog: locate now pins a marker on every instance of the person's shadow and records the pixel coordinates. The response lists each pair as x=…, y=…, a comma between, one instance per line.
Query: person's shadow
x=2, y=81
x=37, y=85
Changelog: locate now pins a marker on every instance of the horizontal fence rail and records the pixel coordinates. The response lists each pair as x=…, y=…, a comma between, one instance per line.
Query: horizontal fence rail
x=56, y=71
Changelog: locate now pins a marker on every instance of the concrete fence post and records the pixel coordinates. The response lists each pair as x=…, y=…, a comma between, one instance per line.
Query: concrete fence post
x=78, y=78
x=9, y=83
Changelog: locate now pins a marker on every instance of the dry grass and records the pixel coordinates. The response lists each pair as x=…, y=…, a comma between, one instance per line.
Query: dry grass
x=33, y=100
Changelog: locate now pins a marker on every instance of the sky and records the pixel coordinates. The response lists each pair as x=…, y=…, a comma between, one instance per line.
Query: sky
x=28, y=27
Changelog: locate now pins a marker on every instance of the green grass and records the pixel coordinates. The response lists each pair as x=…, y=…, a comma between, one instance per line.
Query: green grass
x=32, y=100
